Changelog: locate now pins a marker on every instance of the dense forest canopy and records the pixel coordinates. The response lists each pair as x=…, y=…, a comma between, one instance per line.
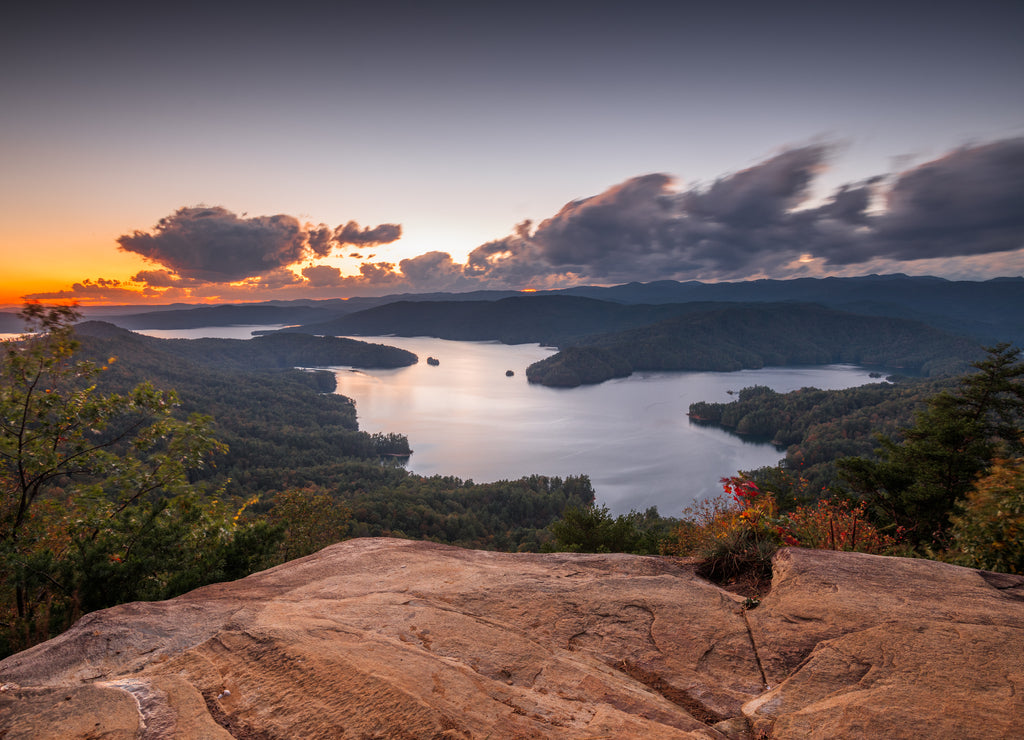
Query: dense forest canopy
x=138, y=468
x=552, y=319
x=738, y=337
x=286, y=428
x=913, y=448
x=923, y=468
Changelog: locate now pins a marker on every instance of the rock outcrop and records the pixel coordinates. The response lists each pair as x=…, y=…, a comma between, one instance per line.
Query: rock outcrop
x=379, y=638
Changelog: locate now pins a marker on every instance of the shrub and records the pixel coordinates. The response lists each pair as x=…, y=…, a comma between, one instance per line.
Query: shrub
x=989, y=530
x=836, y=524
x=735, y=534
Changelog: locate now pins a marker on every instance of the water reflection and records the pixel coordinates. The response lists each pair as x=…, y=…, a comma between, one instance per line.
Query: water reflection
x=466, y=417
x=244, y=331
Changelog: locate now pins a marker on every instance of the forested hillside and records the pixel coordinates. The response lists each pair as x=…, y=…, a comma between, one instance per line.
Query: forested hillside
x=989, y=311
x=817, y=427
x=928, y=468
x=602, y=340
x=285, y=429
x=134, y=468
x=230, y=315
x=744, y=336
x=272, y=352
x=545, y=319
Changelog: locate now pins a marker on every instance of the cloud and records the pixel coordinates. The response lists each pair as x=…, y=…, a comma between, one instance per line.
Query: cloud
x=165, y=279
x=379, y=273
x=644, y=229
x=434, y=271
x=274, y=279
x=758, y=222
x=960, y=216
x=350, y=233
x=969, y=202
x=760, y=196
x=322, y=276
x=215, y=245
x=102, y=290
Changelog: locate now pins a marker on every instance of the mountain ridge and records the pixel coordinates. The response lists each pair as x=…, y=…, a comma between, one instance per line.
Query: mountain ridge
x=989, y=311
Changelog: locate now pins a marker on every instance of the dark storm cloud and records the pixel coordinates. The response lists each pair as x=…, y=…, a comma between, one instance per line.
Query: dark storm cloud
x=215, y=245
x=759, y=196
x=320, y=240
x=757, y=222
x=644, y=228
x=350, y=233
x=969, y=202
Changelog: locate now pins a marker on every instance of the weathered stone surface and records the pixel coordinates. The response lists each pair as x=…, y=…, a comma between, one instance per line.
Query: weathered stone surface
x=380, y=638
x=858, y=645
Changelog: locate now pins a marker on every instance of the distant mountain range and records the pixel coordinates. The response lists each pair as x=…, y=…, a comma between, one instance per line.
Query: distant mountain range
x=988, y=311
x=600, y=340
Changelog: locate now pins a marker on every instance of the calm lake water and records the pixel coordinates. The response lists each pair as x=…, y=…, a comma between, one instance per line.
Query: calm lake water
x=217, y=332
x=465, y=418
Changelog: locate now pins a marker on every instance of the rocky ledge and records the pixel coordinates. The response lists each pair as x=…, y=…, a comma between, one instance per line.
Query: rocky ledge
x=379, y=638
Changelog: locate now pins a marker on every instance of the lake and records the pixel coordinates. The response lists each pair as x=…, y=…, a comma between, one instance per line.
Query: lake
x=243, y=331
x=465, y=417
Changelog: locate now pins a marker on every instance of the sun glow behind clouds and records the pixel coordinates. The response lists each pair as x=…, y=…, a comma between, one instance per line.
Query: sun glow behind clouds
x=746, y=225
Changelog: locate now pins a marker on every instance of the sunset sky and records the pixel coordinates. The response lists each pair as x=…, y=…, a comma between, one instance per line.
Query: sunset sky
x=229, y=152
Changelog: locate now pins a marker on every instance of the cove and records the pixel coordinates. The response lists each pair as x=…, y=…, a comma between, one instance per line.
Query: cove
x=467, y=418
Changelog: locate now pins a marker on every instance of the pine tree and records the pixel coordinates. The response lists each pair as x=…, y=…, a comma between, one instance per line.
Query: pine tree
x=916, y=482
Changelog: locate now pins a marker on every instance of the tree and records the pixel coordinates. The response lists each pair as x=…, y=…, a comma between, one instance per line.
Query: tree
x=96, y=500
x=311, y=520
x=592, y=528
x=988, y=531
x=916, y=483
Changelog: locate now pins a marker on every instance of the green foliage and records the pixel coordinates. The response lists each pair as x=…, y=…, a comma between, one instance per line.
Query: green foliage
x=96, y=500
x=310, y=519
x=988, y=530
x=916, y=483
x=753, y=336
x=593, y=529
x=578, y=366
x=283, y=428
x=285, y=433
x=839, y=524
x=503, y=515
x=735, y=535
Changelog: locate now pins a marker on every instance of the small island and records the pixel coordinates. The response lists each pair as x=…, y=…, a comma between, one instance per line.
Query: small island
x=509, y=373
x=433, y=361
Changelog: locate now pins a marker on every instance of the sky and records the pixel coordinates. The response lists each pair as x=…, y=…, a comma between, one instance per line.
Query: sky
x=215, y=152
